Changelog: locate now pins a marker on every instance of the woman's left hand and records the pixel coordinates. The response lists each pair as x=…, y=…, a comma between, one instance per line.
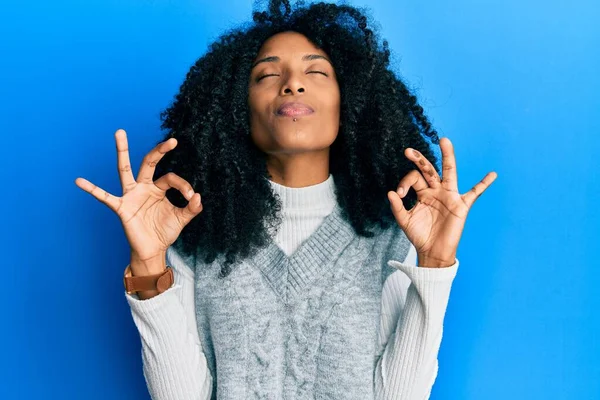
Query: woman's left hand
x=434, y=225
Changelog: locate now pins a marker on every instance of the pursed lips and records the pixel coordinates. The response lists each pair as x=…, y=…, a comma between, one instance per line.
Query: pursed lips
x=294, y=109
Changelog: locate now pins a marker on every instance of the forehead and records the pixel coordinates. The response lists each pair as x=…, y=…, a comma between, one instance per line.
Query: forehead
x=288, y=43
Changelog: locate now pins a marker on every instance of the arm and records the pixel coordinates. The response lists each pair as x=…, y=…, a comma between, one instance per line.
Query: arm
x=174, y=364
x=408, y=366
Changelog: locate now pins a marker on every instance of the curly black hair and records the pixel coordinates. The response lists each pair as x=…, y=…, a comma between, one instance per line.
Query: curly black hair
x=209, y=117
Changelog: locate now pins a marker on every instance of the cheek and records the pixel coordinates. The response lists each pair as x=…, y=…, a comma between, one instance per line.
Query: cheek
x=255, y=107
x=252, y=101
x=334, y=102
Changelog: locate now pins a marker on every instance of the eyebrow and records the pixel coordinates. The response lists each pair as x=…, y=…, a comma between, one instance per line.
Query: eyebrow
x=307, y=57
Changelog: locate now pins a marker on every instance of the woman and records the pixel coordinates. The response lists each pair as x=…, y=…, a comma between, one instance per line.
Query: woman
x=295, y=276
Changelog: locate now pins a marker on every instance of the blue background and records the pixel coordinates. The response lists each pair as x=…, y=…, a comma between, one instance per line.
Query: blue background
x=513, y=84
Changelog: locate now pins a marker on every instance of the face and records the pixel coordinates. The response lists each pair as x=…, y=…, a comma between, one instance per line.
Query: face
x=294, y=96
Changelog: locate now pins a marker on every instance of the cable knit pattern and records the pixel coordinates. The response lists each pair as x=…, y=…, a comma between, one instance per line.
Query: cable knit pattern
x=318, y=313
x=307, y=324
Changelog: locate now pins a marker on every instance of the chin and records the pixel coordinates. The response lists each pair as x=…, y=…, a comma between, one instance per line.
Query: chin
x=298, y=141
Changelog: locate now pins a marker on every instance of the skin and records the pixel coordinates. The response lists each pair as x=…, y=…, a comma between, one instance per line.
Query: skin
x=297, y=156
x=297, y=151
x=435, y=224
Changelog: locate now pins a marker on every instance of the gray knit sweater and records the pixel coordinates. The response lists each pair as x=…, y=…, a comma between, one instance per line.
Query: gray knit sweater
x=304, y=325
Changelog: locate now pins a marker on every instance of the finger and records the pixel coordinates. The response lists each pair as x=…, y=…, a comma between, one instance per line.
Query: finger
x=172, y=180
x=429, y=172
x=414, y=179
x=111, y=201
x=123, y=163
x=187, y=213
x=473, y=194
x=402, y=216
x=449, y=174
x=151, y=159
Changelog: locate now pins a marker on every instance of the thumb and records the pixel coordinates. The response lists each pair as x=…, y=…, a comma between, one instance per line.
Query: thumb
x=398, y=209
x=193, y=208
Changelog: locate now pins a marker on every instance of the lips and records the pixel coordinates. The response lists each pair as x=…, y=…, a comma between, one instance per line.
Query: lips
x=294, y=109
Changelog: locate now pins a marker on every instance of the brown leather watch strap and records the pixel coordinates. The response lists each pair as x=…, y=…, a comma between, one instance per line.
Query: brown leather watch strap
x=159, y=282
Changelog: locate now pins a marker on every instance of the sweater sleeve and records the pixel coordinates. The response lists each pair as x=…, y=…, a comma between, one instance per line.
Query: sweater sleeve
x=174, y=364
x=408, y=365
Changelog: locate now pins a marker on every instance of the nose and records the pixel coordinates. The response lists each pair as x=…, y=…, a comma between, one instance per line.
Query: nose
x=292, y=85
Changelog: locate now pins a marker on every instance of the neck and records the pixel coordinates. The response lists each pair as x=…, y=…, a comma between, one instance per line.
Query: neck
x=299, y=170
x=320, y=196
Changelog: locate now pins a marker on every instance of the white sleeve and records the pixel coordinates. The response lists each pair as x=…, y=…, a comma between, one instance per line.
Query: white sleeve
x=174, y=364
x=414, y=302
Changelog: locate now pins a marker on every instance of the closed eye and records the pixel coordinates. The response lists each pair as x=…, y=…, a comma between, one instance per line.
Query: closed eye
x=264, y=76
x=309, y=72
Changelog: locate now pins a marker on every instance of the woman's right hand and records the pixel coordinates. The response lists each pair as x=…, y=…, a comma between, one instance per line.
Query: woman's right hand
x=151, y=222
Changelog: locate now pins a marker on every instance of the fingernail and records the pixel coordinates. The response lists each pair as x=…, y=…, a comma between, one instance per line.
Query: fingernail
x=416, y=153
x=190, y=193
x=400, y=191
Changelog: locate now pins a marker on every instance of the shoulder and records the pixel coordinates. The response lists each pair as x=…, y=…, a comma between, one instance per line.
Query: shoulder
x=193, y=264
x=180, y=262
x=397, y=245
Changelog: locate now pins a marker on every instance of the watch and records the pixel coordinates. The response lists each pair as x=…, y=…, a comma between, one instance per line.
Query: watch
x=159, y=282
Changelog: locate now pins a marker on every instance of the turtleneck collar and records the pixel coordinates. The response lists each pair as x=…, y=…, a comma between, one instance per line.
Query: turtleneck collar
x=321, y=195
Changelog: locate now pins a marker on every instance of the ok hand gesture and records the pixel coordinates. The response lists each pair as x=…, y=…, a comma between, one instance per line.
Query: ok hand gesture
x=151, y=222
x=434, y=225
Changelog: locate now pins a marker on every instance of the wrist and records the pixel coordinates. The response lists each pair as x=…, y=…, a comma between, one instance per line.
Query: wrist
x=147, y=294
x=435, y=262
x=147, y=286
x=149, y=266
